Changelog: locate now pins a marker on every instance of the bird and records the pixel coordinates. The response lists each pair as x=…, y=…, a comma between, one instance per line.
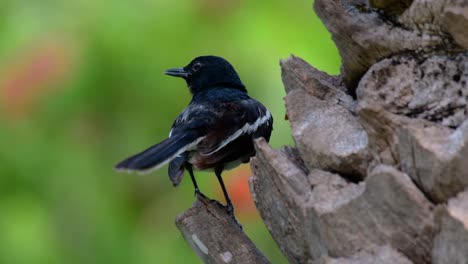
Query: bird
x=215, y=132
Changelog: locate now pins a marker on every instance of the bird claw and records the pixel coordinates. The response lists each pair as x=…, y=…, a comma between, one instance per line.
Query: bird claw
x=198, y=194
x=229, y=208
x=230, y=211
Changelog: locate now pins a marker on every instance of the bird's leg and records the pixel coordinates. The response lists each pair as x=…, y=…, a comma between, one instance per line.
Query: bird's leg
x=195, y=185
x=229, y=206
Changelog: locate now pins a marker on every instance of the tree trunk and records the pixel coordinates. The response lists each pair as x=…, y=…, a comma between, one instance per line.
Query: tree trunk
x=379, y=173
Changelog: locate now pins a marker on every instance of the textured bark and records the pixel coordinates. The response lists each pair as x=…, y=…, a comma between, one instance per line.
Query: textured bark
x=436, y=159
x=456, y=22
x=372, y=255
x=391, y=7
x=299, y=75
x=324, y=215
x=288, y=180
x=432, y=88
x=215, y=236
x=317, y=104
x=451, y=241
x=339, y=142
x=364, y=36
x=377, y=147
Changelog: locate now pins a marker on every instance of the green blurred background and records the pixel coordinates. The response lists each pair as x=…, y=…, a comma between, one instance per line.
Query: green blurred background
x=81, y=87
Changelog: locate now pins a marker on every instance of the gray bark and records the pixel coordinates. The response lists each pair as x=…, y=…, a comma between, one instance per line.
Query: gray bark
x=379, y=146
x=371, y=255
x=215, y=236
x=317, y=214
x=451, y=241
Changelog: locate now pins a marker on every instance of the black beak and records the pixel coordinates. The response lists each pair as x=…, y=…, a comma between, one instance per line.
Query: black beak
x=177, y=72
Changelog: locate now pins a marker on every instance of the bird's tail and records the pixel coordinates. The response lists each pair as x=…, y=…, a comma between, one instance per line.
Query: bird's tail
x=176, y=168
x=159, y=154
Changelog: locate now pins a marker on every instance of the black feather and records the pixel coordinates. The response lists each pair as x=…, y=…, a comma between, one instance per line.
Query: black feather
x=177, y=168
x=158, y=154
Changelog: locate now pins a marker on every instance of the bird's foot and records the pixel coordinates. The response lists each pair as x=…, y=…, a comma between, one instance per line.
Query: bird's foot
x=230, y=211
x=198, y=194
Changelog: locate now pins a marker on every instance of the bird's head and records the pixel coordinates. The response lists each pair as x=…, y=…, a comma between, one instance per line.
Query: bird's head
x=207, y=72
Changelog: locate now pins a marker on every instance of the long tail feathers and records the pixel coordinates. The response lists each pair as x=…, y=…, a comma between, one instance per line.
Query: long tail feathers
x=159, y=154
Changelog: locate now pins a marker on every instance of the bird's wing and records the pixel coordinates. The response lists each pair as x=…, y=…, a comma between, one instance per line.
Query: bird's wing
x=221, y=122
x=234, y=120
x=196, y=117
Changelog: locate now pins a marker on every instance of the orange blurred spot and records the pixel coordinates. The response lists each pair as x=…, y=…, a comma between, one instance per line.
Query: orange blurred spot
x=237, y=183
x=23, y=80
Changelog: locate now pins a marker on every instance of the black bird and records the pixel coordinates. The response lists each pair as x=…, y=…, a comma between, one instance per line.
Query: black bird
x=215, y=131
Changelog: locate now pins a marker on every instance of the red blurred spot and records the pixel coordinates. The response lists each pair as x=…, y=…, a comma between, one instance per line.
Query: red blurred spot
x=29, y=74
x=237, y=183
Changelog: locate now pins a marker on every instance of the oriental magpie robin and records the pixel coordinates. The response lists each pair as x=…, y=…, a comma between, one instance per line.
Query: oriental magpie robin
x=215, y=131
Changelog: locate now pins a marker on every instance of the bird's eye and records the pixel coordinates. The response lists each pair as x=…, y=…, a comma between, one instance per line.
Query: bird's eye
x=196, y=66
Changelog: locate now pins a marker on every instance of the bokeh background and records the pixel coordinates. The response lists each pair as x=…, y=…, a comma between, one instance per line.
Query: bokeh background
x=81, y=87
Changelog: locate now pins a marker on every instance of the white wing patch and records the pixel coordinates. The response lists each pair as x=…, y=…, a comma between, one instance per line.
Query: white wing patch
x=247, y=128
x=184, y=115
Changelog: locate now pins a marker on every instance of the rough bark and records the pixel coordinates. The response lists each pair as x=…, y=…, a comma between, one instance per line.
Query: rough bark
x=451, y=241
x=316, y=106
x=372, y=255
x=377, y=147
x=215, y=236
x=365, y=36
x=436, y=159
x=432, y=88
x=324, y=215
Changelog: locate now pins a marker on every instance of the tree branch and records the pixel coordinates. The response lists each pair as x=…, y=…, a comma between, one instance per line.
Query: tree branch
x=215, y=236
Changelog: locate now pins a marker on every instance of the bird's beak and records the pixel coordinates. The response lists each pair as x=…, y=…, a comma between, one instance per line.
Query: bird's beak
x=177, y=72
